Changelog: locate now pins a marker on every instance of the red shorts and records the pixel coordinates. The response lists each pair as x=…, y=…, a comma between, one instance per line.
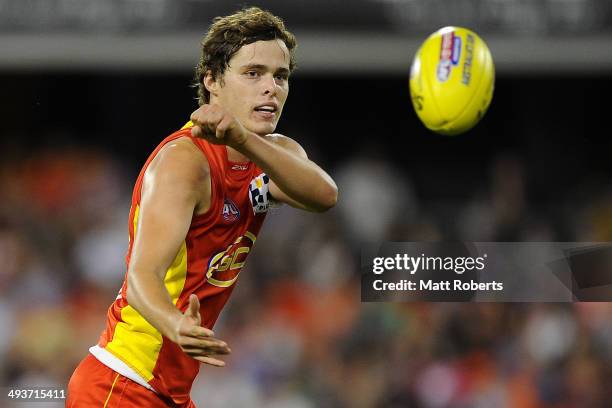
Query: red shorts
x=95, y=385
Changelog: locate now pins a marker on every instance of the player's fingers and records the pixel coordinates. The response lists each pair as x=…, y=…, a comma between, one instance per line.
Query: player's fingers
x=213, y=119
x=217, y=346
x=199, y=113
x=193, y=310
x=203, y=118
x=223, y=126
x=211, y=361
x=203, y=342
x=205, y=351
x=219, y=133
x=199, y=331
x=196, y=131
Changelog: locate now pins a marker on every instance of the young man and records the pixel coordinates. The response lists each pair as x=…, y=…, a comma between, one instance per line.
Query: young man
x=197, y=207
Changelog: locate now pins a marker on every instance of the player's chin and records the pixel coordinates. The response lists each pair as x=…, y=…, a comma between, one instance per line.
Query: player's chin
x=262, y=127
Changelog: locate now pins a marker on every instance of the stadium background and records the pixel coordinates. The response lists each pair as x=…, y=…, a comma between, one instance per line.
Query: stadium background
x=90, y=87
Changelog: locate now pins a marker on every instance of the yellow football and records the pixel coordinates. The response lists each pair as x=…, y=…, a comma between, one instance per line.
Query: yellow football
x=452, y=80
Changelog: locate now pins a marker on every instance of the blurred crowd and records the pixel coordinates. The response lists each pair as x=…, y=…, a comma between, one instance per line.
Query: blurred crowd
x=300, y=336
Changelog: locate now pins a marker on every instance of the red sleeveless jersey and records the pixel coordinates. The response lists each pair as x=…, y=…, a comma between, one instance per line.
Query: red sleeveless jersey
x=208, y=264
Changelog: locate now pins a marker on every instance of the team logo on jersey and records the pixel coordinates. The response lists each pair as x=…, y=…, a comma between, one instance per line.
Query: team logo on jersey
x=230, y=212
x=224, y=267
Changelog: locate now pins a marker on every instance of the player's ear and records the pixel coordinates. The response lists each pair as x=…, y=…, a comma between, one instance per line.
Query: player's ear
x=210, y=83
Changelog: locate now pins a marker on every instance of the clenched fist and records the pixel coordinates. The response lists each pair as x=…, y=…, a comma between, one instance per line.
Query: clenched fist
x=218, y=126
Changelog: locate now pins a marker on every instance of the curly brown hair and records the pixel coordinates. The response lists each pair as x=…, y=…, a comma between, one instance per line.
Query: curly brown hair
x=227, y=34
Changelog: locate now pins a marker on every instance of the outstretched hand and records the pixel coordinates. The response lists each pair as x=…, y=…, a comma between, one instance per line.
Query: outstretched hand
x=217, y=125
x=197, y=341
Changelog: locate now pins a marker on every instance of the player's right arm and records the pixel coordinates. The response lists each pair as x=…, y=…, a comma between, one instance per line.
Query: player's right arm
x=176, y=184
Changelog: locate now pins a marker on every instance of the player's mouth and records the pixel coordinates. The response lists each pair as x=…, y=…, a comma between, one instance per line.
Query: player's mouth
x=266, y=111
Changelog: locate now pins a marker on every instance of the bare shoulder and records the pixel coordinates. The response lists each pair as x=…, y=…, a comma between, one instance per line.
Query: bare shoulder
x=287, y=143
x=179, y=174
x=179, y=161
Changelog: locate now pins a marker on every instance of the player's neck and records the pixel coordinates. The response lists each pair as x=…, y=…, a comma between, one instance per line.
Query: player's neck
x=235, y=156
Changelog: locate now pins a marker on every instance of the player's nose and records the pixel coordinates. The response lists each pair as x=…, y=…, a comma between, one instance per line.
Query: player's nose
x=269, y=85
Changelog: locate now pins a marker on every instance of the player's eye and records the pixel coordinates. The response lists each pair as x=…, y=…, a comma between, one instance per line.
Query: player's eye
x=252, y=74
x=282, y=77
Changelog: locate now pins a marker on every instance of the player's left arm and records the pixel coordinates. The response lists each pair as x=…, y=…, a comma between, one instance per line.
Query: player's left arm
x=318, y=188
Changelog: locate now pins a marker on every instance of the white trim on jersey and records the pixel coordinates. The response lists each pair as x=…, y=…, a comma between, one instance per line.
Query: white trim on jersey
x=112, y=362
